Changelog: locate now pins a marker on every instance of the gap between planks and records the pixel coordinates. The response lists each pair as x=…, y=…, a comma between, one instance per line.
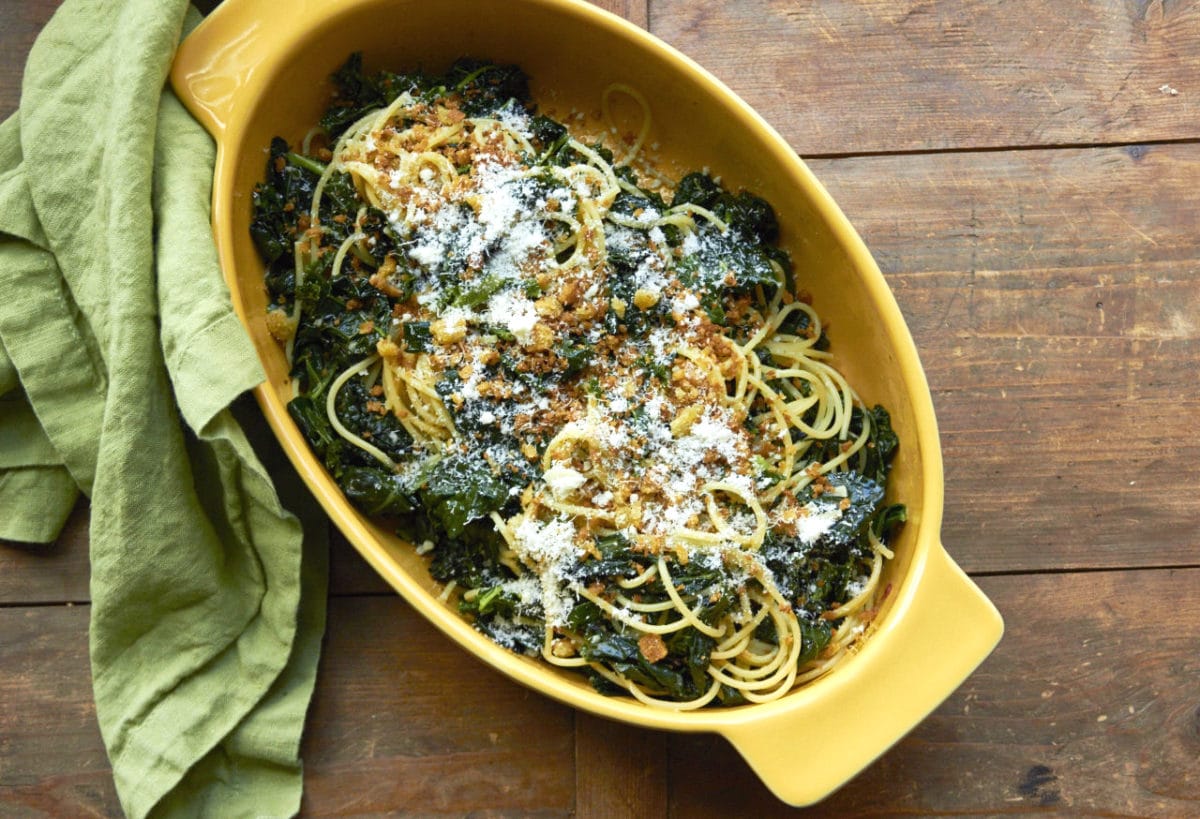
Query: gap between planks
x=993, y=149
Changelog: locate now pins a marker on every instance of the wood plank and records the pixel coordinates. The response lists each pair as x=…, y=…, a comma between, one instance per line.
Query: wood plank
x=52, y=760
x=635, y=11
x=846, y=76
x=1053, y=297
x=403, y=718
x=1089, y=706
x=48, y=572
x=620, y=769
x=22, y=22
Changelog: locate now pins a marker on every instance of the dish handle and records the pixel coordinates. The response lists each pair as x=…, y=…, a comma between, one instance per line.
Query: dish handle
x=945, y=629
x=220, y=57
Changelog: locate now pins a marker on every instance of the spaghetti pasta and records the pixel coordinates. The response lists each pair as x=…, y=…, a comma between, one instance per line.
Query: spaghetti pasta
x=622, y=430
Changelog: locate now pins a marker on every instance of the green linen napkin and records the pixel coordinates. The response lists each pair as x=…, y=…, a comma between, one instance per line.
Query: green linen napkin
x=119, y=360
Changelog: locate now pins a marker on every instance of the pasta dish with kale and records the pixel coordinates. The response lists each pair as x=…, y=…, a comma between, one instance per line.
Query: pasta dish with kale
x=589, y=393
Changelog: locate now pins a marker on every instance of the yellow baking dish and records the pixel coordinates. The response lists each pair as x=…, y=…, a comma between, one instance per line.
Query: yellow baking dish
x=255, y=69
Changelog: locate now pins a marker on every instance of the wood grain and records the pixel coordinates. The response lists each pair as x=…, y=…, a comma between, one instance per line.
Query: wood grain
x=48, y=572
x=635, y=11
x=20, y=26
x=403, y=717
x=52, y=760
x=620, y=769
x=847, y=76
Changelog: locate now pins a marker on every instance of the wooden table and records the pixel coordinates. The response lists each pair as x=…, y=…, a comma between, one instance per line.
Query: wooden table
x=1027, y=173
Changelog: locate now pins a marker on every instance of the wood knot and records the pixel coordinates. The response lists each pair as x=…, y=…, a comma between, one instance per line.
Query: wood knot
x=1035, y=785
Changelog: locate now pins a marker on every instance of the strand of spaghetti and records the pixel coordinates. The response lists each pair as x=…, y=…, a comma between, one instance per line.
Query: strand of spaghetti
x=485, y=124
x=343, y=249
x=737, y=642
x=641, y=579
x=447, y=590
x=878, y=546
x=415, y=426
x=753, y=539
x=611, y=187
x=577, y=510
x=636, y=691
x=643, y=131
x=818, y=668
x=695, y=210
x=858, y=443
x=706, y=364
x=334, y=164
x=306, y=143
x=418, y=378
x=684, y=609
x=549, y=655
x=644, y=608
x=582, y=430
x=574, y=237
x=427, y=404
x=633, y=622
x=335, y=422
x=860, y=599
x=781, y=676
x=420, y=409
x=741, y=376
x=443, y=135
x=761, y=670
x=592, y=234
x=430, y=159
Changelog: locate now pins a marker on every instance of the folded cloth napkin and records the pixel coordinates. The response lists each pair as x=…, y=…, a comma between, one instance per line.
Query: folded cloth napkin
x=119, y=359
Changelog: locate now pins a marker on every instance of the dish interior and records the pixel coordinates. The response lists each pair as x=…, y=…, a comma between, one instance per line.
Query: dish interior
x=695, y=125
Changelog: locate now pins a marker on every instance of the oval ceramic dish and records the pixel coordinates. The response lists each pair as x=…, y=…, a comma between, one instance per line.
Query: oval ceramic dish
x=250, y=72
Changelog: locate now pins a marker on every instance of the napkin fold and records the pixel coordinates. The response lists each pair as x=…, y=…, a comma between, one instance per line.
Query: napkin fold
x=120, y=357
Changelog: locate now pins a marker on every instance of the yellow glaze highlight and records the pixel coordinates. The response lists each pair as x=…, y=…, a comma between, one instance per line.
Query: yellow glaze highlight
x=249, y=72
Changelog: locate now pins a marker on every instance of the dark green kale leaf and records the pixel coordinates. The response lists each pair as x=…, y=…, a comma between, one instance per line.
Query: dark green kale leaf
x=888, y=518
x=357, y=93
x=486, y=87
x=616, y=561
x=576, y=352
x=308, y=412
x=728, y=263
x=278, y=202
x=814, y=635
x=460, y=491
x=472, y=558
x=376, y=491
x=865, y=496
x=548, y=136
x=417, y=337
x=628, y=203
x=478, y=291
x=621, y=653
x=881, y=445
x=748, y=214
x=697, y=189
x=381, y=429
